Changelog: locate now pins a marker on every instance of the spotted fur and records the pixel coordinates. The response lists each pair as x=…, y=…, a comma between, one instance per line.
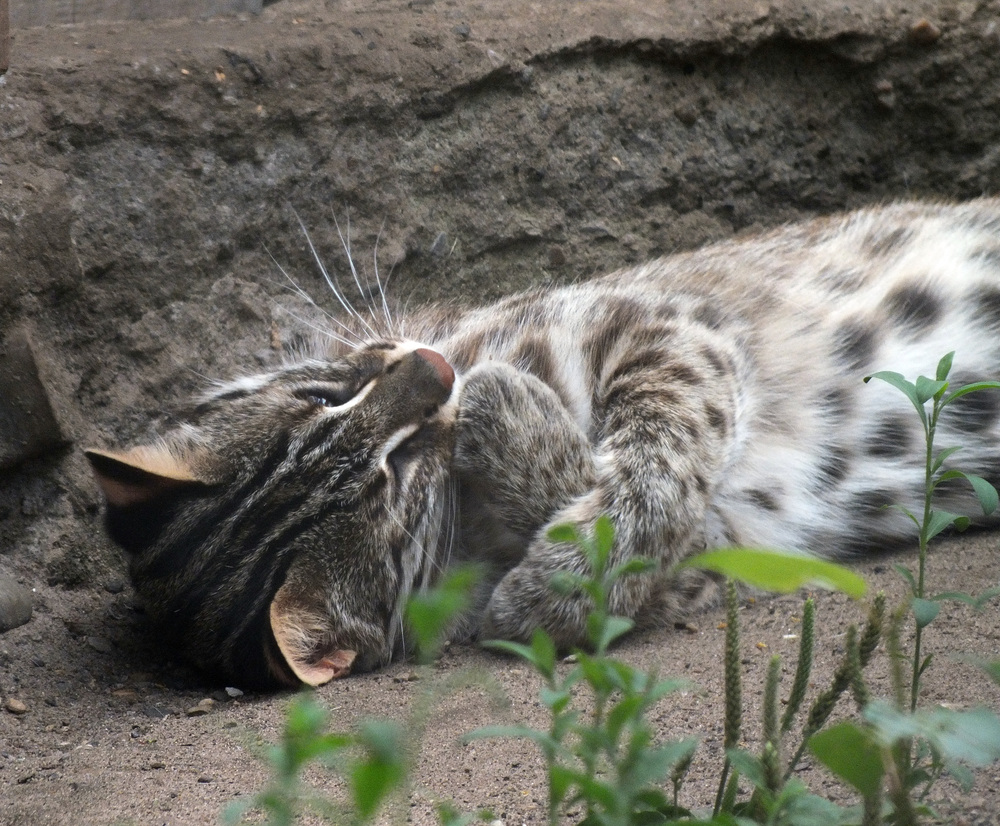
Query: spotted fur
x=706, y=399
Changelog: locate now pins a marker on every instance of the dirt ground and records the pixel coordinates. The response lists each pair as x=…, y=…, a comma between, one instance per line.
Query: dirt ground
x=151, y=175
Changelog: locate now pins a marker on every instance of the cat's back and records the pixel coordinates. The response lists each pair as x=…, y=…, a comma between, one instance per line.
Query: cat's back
x=837, y=294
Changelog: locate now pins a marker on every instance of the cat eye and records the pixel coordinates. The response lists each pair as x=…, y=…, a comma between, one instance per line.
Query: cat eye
x=325, y=396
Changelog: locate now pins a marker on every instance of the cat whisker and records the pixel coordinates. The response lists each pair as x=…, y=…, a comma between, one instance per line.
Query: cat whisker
x=381, y=286
x=425, y=556
x=453, y=495
x=295, y=288
x=346, y=244
x=334, y=287
x=325, y=332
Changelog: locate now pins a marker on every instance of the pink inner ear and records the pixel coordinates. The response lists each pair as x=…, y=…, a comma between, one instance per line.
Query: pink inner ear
x=139, y=475
x=335, y=665
x=122, y=494
x=298, y=638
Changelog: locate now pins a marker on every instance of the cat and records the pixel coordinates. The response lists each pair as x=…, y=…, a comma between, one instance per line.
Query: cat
x=706, y=399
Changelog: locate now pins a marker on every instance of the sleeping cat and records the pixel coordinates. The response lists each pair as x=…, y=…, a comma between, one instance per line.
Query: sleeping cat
x=706, y=399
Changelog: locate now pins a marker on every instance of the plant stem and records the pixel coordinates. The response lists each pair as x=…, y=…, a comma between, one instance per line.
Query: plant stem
x=922, y=557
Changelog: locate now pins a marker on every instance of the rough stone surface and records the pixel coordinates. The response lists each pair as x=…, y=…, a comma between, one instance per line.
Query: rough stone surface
x=15, y=604
x=148, y=172
x=28, y=427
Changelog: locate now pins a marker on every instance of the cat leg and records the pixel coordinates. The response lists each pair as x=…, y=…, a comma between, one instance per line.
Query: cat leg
x=519, y=457
x=664, y=424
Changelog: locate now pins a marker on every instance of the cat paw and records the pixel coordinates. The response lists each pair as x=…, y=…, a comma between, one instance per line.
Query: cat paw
x=524, y=601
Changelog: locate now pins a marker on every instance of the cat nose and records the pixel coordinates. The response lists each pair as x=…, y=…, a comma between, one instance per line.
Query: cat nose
x=444, y=370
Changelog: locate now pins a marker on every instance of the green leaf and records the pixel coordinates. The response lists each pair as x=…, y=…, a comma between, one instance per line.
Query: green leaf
x=381, y=770
x=566, y=583
x=907, y=388
x=656, y=763
x=924, y=611
x=778, y=571
x=927, y=389
x=543, y=651
x=612, y=629
x=234, y=812
x=430, y=613
x=604, y=536
x=565, y=533
x=541, y=654
x=850, y=753
x=943, y=519
x=970, y=736
x=802, y=808
x=991, y=668
x=943, y=456
x=975, y=387
x=985, y=492
x=906, y=574
x=555, y=699
x=561, y=780
x=637, y=565
x=986, y=596
x=944, y=366
x=748, y=766
x=541, y=738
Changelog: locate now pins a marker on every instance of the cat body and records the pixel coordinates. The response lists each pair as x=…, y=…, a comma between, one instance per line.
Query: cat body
x=706, y=399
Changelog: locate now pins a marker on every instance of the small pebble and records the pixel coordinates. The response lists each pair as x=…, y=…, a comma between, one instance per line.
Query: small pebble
x=203, y=707
x=923, y=32
x=155, y=713
x=15, y=706
x=206, y=779
x=114, y=586
x=156, y=764
x=233, y=692
x=687, y=113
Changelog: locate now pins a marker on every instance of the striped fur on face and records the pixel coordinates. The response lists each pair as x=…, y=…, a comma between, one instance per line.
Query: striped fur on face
x=277, y=530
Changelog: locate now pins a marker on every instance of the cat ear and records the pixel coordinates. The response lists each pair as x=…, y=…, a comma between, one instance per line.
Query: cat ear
x=300, y=636
x=140, y=475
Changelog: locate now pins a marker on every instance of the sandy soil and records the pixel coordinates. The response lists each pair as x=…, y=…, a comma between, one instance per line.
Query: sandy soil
x=149, y=172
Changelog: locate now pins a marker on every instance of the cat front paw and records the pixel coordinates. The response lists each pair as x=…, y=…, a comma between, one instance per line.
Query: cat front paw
x=524, y=601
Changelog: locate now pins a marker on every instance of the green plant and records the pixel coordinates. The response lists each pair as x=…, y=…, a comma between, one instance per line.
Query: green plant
x=606, y=759
x=371, y=760
x=603, y=757
x=898, y=747
x=932, y=522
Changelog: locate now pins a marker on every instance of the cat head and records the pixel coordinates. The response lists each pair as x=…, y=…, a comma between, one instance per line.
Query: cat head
x=277, y=529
